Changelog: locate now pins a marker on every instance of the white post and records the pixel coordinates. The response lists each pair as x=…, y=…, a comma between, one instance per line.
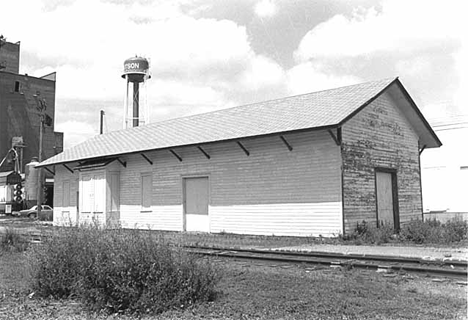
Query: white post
x=125, y=115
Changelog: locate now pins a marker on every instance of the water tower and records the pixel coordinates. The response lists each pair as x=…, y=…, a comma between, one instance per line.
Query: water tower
x=136, y=71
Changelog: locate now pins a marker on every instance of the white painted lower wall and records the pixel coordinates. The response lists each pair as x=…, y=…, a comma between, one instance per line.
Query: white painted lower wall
x=307, y=219
x=291, y=219
x=65, y=216
x=168, y=218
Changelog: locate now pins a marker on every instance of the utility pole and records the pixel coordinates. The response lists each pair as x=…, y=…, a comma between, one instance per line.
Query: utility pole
x=41, y=107
x=39, y=173
x=2, y=43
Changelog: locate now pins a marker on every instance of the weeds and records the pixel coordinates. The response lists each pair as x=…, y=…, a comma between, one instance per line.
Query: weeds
x=433, y=231
x=12, y=241
x=46, y=216
x=416, y=231
x=120, y=271
x=369, y=233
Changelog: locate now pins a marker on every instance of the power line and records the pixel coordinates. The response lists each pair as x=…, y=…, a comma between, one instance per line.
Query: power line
x=447, y=129
x=448, y=124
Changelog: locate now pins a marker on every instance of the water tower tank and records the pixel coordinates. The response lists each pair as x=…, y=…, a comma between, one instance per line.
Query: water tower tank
x=136, y=71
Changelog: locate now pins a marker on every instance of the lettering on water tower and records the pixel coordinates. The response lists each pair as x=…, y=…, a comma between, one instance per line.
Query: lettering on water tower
x=135, y=67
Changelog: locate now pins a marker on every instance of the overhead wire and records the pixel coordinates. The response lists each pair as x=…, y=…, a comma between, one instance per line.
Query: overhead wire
x=448, y=129
x=452, y=121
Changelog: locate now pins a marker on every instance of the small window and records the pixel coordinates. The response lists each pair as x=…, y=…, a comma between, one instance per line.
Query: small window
x=17, y=86
x=146, y=188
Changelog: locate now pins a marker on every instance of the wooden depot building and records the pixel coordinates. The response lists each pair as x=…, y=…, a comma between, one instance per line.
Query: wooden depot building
x=308, y=165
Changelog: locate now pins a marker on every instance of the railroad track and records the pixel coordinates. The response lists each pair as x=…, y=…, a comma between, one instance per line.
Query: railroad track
x=447, y=268
x=455, y=269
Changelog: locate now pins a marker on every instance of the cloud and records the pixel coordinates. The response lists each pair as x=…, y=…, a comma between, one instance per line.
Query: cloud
x=201, y=64
x=88, y=54
x=265, y=8
x=310, y=77
x=420, y=41
x=261, y=72
x=196, y=63
x=77, y=131
x=461, y=64
x=418, y=65
x=401, y=27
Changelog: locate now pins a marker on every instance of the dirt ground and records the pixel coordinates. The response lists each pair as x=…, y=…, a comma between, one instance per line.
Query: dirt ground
x=264, y=291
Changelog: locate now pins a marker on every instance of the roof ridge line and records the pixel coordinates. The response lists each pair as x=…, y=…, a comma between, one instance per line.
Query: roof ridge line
x=282, y=98
x=258, y=102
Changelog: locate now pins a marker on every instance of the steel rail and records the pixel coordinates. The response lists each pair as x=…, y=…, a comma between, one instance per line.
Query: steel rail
x=448, y=268
x=351, y=256
x=343, y=261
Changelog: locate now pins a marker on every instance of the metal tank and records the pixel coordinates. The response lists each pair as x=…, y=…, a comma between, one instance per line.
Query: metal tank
x=31, y=182
x=136, y=72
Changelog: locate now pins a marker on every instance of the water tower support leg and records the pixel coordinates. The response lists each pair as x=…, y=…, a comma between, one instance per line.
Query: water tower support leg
x=136, y=104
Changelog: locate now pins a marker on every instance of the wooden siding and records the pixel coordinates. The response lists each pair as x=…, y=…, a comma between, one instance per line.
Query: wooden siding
x=379, y=136
x=292, y=219
x=272, y=191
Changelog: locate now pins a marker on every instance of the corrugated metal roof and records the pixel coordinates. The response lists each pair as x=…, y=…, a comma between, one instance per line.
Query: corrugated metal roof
x=312, y=110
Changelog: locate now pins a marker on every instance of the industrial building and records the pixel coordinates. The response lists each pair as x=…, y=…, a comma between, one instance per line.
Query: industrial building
x=21, y=96
x=445, y=175
x=307, y=165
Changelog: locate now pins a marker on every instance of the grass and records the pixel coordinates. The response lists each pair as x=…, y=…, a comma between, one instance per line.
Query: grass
x=452, y=232
x=253, y=291
x=119, y=271
x=11, y=240
x=433, y=231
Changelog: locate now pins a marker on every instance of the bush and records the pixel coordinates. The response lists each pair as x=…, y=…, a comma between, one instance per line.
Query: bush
x=433, y=231
x=419, y=231
x=456, y=230
x=57, y=265
x=369, y=233
x=13, y=241
x=46, y=216
x=121, y=271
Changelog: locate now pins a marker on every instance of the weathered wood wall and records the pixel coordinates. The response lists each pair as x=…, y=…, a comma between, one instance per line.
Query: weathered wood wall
x=379, y=136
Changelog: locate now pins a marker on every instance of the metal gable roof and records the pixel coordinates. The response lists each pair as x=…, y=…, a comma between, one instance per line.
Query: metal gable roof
x=313, y=110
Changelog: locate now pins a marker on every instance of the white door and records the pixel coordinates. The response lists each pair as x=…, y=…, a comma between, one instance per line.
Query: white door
x=384, y=191
x=196, y=200
x=93, y=200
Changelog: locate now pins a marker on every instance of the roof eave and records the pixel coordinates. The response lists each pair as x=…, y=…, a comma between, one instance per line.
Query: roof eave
x=330, y=126
x=437, y=143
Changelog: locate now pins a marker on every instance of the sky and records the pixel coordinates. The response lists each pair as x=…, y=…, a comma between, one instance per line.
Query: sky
x=211, y=54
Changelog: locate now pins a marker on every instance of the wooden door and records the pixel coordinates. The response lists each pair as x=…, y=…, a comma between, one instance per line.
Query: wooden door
x=196, y=201
x=386, y=202
x=93, y=200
